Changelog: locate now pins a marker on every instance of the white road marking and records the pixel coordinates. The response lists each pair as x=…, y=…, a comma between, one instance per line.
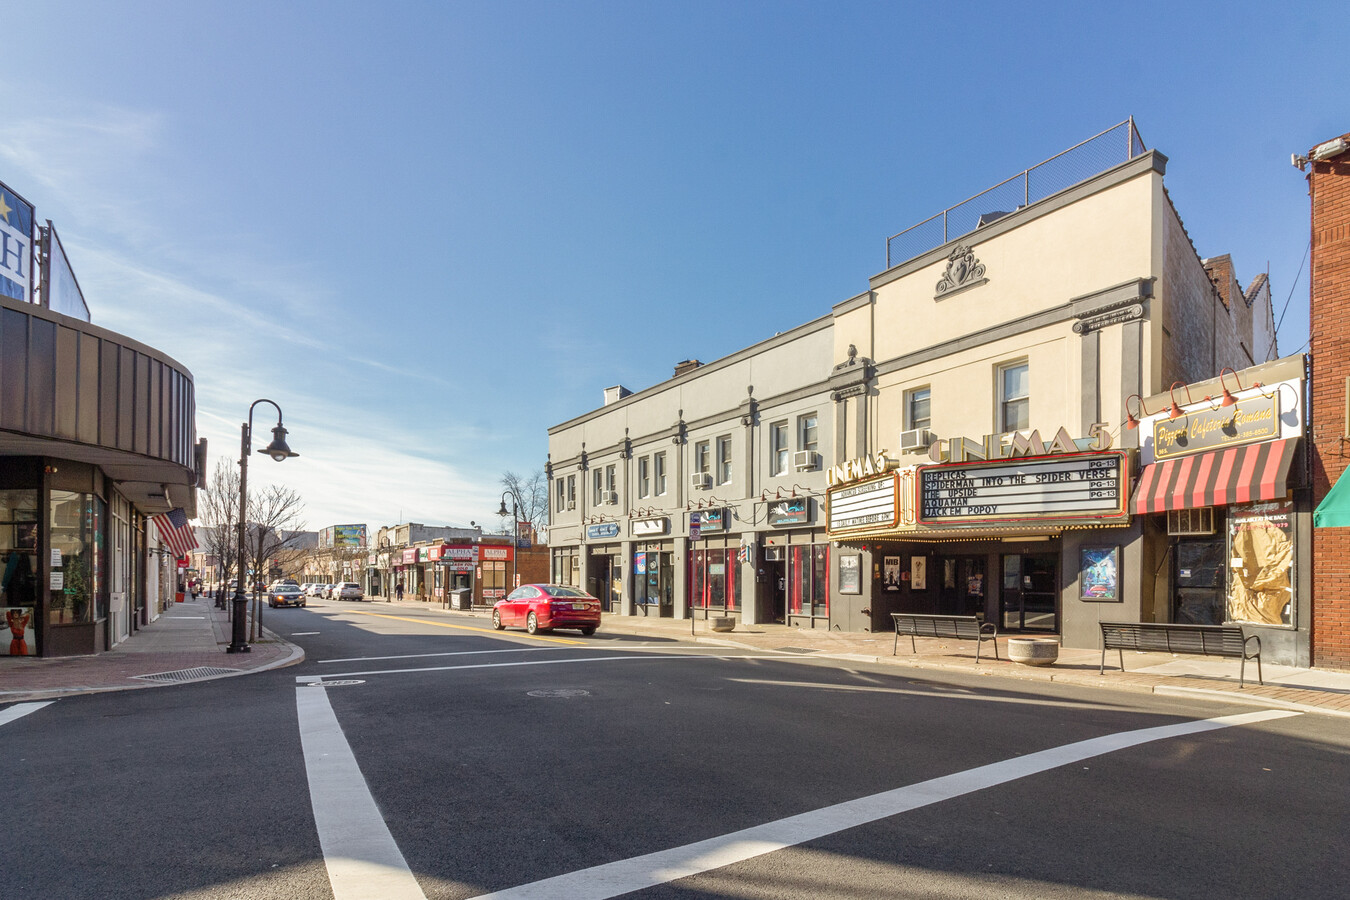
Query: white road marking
x=450, y=653
x=662, y=867
x=303, y=633
x=19, y=710
x=362, y=859
x=306, y=679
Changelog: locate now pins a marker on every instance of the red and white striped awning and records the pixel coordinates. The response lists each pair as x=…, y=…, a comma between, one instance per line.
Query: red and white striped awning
x=1233, y=475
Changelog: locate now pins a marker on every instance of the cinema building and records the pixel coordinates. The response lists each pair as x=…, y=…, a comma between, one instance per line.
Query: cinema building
x=971, y=417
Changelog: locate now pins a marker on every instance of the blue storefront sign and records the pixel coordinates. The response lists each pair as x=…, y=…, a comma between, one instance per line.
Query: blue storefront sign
x=600, y=532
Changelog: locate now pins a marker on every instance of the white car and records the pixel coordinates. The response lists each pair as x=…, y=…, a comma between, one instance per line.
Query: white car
x=315, y=590
x=348, y=590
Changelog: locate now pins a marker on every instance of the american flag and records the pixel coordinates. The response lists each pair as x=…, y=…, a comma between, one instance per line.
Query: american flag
x=174, y=529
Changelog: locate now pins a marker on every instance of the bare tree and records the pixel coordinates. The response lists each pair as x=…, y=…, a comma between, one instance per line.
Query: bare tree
x=218, y=512
x=275, y=526
x=532, y=495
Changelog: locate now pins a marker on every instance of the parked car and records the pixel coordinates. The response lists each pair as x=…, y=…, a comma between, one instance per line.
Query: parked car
x=348, y=590
x=284, y=593
x=543, y=607
x=314, y=589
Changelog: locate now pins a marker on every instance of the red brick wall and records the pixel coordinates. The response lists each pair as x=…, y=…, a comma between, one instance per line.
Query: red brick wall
x=1329, y=188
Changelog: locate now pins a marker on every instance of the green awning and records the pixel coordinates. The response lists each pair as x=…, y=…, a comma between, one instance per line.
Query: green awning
x=1334, y=510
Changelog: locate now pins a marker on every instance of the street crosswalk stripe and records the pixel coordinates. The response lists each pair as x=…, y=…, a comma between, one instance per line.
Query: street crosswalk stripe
x=19, y=710
x=362, y=859
x=641, y=872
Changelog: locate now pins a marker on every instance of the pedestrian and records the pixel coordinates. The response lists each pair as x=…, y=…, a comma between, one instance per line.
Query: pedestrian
x=398, y=592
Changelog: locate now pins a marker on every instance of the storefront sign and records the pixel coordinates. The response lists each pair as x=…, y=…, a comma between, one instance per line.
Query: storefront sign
x=469, y=553
x=1247, y=421
x=1047, y=488
x=1014, y=444
x=858, y=469
x=793, y=511
x=495, y=552
x=867, y=505
x=713, y=520
x=458, y=565
x=649, y=527
x=600, y=532
x=410, y=555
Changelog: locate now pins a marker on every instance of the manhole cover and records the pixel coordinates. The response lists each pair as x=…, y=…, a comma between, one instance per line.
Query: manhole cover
x=187, y=674
x=561, y=693
x=337, y=683
x=794, y=650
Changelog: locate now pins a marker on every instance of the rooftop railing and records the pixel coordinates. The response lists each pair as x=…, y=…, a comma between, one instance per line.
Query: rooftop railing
x=1117, y=144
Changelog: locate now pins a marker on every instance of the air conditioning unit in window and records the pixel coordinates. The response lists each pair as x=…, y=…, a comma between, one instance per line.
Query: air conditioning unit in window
x=609, y=498
x=915, y=441
x=803, y=460
x=700, y=481
x=571, y=504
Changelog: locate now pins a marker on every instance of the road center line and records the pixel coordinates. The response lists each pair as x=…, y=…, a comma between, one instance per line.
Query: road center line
x=310, y=679
x=662, y=867
x=19, y=710
x=362, y=859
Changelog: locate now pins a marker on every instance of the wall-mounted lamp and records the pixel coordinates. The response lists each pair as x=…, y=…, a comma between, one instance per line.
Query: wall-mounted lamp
x=1175, y=412
x=1131, y=420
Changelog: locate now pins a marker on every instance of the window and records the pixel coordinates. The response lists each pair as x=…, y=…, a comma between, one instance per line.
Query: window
x=778, y=448
x=724, y=459
x=609, y=480
x=917, y=408
x=644, y=477
x=702, y=458
x=1014, y=407
x=597, y=486
x=571, y=491
x=560, y=501
x=808, y=432
x=808, y=580
x=659, y=465
x=714, y=583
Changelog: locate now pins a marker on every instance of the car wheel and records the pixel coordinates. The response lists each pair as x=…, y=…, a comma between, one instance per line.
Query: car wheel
x=588, y=631
x=531, y=624
x=497, y=620
x=302, y=604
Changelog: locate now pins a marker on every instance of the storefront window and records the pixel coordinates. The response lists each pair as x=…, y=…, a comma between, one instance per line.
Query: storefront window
x=808, y=580
x=714, y=583
x=654, y=581
x=1261, y=563
x=494, y=579
x=77, y=556
x=18, y=586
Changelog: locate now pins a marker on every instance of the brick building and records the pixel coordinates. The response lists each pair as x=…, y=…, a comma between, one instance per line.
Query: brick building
x=1328, y=168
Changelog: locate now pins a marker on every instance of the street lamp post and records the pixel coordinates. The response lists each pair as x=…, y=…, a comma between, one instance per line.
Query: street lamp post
x=279, y=452
x=515, y=528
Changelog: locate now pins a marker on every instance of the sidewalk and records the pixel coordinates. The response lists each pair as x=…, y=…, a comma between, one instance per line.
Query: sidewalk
x=1286, y=687
x=186, y=643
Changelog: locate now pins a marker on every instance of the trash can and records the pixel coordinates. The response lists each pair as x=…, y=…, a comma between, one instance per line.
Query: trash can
x=462, y=599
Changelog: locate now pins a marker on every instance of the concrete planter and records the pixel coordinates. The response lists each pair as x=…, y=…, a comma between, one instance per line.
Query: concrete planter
x=722, y=624
x=1033, y=651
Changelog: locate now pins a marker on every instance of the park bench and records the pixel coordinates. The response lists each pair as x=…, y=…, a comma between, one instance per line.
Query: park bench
x=964, y=628
x=1162, y=637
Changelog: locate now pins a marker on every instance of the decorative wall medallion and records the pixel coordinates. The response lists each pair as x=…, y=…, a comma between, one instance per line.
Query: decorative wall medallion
x=963, y=271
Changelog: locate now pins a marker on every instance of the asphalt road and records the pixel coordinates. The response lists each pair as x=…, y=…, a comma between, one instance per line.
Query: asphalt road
x=486, y=762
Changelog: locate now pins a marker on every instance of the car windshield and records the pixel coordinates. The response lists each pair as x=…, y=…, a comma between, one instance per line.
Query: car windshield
x=563, y=590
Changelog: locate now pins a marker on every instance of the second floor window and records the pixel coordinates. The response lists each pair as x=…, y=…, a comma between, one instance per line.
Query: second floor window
x=610, y=484
x=808, y=432
x=571, y=491
x=1014, y=403
x=561, y=500
x=724, y=460
x=702, y=458
x=659, y=465
x=644, y=477
x=597, y=486
x=778, y=448
x=917, y=405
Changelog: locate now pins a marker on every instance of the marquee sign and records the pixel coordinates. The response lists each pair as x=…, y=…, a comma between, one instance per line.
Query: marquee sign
x=1056, y=488
x=869, y=505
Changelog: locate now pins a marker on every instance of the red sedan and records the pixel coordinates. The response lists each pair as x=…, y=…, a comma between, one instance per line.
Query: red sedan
x=543, y=607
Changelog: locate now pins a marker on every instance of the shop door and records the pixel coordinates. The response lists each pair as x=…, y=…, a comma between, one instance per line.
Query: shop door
x=603, y=583
x=1198, y=574
x=961, y=591
x=774, y=579
x=1030, y=592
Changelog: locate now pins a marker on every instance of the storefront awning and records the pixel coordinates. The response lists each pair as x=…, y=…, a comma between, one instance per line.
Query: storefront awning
x=1233, y=475
x=1334, y=510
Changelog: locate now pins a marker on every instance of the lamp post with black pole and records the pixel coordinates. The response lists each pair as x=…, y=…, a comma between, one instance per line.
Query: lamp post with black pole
x=515, y=527
x=279, y=452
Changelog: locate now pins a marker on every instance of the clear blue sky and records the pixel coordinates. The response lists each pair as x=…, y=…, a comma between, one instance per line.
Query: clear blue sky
x=432, y=230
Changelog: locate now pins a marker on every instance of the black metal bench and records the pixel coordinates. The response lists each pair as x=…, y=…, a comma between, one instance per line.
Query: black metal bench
x=1162, y=637
x=964, y=628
